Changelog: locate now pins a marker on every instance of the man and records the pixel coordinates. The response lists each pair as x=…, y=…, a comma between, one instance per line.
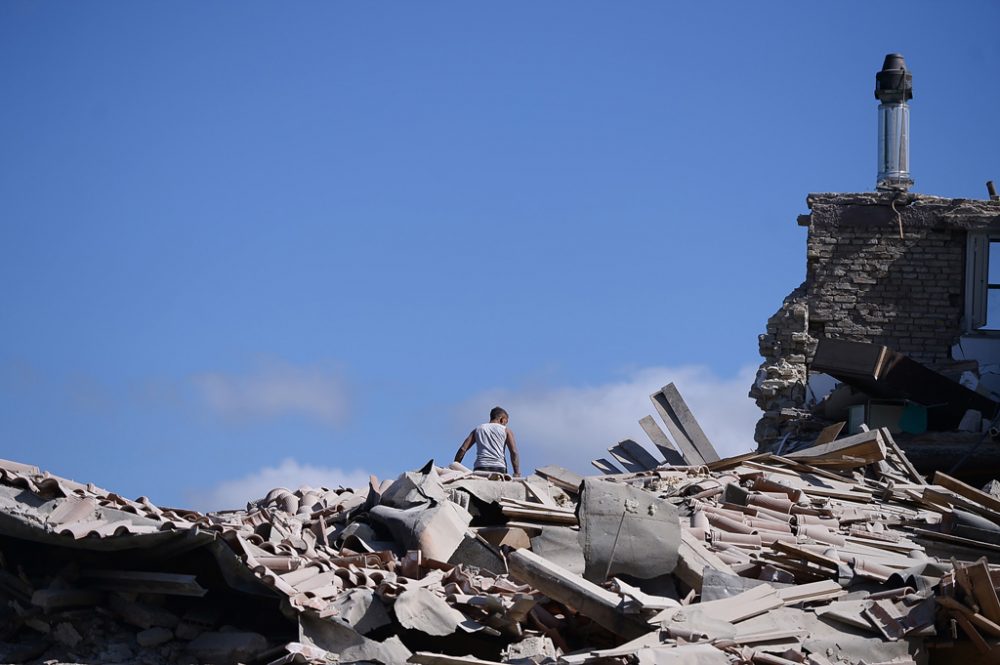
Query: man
x=492, y=440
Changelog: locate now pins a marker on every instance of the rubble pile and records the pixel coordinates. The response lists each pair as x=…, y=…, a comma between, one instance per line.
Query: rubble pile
x=838, y=553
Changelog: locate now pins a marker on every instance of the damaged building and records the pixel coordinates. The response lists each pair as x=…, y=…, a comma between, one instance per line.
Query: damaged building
x=826, y=546
x=902, y=276
x=839, y=553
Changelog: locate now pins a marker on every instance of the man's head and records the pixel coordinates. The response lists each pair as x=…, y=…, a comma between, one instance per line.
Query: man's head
x=498, y=415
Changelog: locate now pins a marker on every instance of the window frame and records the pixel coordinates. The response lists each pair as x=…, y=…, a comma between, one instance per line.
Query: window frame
x=977, y=284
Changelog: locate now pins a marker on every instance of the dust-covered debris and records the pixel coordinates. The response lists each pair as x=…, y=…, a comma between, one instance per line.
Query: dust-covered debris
x=839, y=553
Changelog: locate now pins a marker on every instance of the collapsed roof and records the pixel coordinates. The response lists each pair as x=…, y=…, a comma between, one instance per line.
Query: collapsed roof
x=836, y=553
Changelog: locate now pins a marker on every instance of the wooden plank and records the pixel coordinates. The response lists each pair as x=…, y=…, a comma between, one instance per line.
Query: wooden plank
x=841, y=461
x=808, y=555
x=689, y=424
x=749, y=603
x=631, y=465
x=538, y=487
x=639, y=454
x=848, y=445
x=969, y=492
x=867, y=446
x=727, y=463
x=823, y=590
x=977, y=639
x=531, y=505
x=136, y=581
x=983, y=591
x=961, y=578
x=429, y=658
x=800, y=570
x=800, y=467
x=690, y=454
x=938, y=498
x=838, y=494
x=605, y=466
x=538, y=515
x=978, y=620
x=958, y=540
x=660, y=440
x=946, y=498
x=834, y=356
x=560, y=477
x=572, y=590
x=767, y=636
x=828, y=434
x=531, y=528
x=903, y=459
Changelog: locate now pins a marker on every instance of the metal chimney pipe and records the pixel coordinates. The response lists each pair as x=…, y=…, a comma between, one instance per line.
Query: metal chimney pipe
x=893, y=87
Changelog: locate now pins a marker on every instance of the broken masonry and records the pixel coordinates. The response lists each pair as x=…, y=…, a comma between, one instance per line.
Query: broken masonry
x=836, y=552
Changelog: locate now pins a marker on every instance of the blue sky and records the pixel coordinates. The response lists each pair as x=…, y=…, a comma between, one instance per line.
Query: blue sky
x=249, y=243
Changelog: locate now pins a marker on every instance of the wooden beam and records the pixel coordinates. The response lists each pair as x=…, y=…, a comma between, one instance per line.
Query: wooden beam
x=605, y=466
x=867, y=447
x=977, y=639
x=983, y=591
x=587, y=598
x=746, y=604
x=538, y=515
x=626, y=460
x=823, y=590
x=808, y=555
x=639, y=454
x=660, y=440
x=689, y=423
x=690, y=454
x=428, y=658
x=829, y=433
x=560, y=477
x=957, y=540
x=969, y=492
x=137, y=581
x=977, y=619
x=903, y=459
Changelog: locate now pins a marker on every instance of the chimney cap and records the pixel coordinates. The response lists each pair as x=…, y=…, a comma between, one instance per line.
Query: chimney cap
x=895, y=82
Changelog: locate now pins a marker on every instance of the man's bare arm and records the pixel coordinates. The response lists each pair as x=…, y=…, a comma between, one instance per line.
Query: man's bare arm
x=464, y=448
x=515, y=459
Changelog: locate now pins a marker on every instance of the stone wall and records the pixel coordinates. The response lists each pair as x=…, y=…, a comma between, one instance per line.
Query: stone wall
x=865, y=283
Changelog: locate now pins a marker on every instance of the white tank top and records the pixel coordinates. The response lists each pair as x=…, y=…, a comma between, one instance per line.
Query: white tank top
x=491, y=443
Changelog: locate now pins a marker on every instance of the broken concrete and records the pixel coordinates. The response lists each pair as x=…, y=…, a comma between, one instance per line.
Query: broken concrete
x=625, y=530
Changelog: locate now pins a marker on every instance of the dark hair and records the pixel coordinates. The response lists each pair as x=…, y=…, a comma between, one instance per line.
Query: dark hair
x=496, y=412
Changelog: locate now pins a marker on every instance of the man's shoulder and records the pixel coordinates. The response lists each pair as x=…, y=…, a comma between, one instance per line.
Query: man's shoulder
x=491, y=426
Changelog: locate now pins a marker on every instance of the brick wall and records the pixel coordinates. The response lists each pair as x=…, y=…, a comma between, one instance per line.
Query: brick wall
x=864, y=283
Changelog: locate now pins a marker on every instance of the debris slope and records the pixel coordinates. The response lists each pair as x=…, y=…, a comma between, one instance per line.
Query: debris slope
x=839, y=553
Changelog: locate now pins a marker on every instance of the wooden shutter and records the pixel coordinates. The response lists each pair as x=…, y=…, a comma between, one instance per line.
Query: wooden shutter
x=976, y=271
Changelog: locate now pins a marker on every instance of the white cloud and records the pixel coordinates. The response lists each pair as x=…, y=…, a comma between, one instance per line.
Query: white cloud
x=277, y=389
x=571, y=425
x=289, y=474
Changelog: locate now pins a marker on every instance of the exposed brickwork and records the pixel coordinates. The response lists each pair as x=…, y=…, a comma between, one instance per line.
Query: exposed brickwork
x=864, y=283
